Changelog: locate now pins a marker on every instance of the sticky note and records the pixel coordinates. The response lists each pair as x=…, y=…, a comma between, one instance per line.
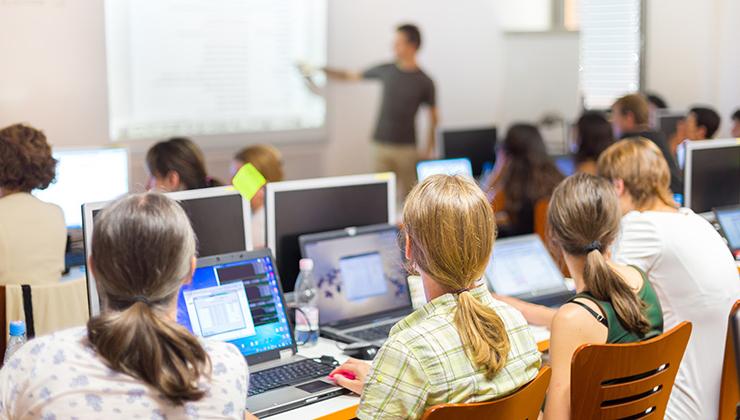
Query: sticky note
x=248, y=181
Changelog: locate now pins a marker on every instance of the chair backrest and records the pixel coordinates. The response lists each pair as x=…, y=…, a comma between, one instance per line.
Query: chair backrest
x=729, y=394
x=615, y=381
x=524, y=404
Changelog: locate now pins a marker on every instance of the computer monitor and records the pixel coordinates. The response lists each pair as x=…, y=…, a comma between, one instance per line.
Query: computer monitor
x=667, y=122
x=221, y=219
x=295, y=208
x=728, y=219
x=86, y=176
x=522, y=267
x=566, y=164
x=711, y=174
x=427, y=168
x=359, y=272
x=478, y=145
x=237, y=298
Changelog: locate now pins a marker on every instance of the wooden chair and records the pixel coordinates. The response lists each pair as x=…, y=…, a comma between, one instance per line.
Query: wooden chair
x=729, y=394
x=524, y=404
x=616, y=381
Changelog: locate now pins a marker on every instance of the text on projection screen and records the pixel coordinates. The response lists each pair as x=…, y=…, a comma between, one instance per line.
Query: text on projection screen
x=199, y=67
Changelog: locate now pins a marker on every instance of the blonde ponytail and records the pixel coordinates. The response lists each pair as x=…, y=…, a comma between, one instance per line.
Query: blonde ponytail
x=450, y=225
x=142, y=250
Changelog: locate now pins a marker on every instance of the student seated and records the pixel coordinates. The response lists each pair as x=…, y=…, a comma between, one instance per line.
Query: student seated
x=615, y=303
x=702, y=123
x=462, y=346
x=630, y=119
x=268, y=161
x=655, y=103
x=692, y=270
x=735, y=131
x=33, y=235
x=594, y=135
x=177, y=164
x=133, y=360
x=524, y=174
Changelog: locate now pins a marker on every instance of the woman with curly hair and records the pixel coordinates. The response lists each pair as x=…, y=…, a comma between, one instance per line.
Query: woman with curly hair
x=33, y=235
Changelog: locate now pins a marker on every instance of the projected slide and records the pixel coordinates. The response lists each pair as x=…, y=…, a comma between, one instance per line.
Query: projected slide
x=189, y=67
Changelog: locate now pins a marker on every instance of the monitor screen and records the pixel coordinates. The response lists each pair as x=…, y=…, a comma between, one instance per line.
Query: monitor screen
x=566, y=164
x=312, y=208
x=712, y=179
x=238, y=302
x=668, y=124
x=461, y=166
x=522, y=267
x=218, y=223
x=357, y=275
x=729, y=221
x=86, y=176
x=478, y=145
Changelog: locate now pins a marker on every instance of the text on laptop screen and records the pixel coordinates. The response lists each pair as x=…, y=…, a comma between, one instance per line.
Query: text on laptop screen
x=444, y=167
x=729, y=220
x=237, y=302
x=523, y=267
x=358, y=275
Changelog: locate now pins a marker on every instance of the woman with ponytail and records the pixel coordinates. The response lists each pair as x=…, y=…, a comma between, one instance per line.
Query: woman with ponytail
x=463, y=345
x=177, y=164
x=614, y=304
x=133, y=360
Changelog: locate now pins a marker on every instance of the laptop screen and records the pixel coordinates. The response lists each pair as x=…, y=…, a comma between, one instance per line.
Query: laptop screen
x=359, y=272
x=523, y=267
x=237, y=299
x=460, y=166
x=729, y=221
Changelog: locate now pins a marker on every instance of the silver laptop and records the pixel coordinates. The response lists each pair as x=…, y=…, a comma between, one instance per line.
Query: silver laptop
x=362, y=283
x=523, y=268
x=237, y=298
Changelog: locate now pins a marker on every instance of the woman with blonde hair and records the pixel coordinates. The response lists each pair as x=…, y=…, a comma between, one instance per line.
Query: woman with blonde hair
x=463, y=345
x=133, y=360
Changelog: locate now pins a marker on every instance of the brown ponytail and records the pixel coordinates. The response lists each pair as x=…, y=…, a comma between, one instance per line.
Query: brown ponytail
x=142, y=251
x=451, y=228
x=584, y=220
x=184, y=157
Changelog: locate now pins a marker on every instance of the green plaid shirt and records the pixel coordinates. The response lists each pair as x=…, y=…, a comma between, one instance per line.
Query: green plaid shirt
x=424, y=363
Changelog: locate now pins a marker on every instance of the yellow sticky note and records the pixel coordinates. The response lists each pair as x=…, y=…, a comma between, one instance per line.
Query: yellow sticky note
x=248, y=181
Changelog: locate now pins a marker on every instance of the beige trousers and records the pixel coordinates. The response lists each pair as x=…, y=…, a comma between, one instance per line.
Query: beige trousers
x=400, y=159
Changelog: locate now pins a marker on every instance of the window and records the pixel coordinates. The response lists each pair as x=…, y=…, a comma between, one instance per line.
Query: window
x=539, y=15
x=610, y=50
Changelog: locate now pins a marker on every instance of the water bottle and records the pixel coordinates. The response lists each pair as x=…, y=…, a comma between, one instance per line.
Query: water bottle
x=307, y=311
x=17, y=339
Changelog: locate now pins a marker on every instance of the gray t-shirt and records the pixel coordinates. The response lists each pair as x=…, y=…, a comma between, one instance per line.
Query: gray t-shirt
x=403, y=93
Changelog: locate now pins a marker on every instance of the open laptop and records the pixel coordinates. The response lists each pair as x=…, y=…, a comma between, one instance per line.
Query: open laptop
x=362, y=283
x=728, y=219
x=237, y=298
x=523, y=268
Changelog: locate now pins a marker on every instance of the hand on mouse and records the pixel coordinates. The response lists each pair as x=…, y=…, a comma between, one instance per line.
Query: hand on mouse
x=351, y=375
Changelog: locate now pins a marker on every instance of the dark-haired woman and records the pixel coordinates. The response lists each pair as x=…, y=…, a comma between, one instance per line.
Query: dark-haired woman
x=525, y=175
x=133, y=360
x=594, y=135
x=615, y=303
x=177, y=164
x=33, y=235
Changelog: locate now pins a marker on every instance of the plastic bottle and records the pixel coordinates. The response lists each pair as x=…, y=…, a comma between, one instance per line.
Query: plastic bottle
x=17, y=339
x=307, y=311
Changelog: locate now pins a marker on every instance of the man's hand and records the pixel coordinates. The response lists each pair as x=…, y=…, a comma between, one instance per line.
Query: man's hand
x=351, y=375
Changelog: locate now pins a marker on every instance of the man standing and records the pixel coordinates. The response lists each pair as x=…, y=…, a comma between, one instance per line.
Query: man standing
x=406, y=87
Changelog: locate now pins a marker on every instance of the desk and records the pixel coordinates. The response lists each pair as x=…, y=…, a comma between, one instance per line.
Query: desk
x=344, y=407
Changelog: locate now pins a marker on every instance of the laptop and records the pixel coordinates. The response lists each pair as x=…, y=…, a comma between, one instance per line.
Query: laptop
x=237, y=298
x=728, y=219
x=458, y=166
x=522, y=267
x=362, y=283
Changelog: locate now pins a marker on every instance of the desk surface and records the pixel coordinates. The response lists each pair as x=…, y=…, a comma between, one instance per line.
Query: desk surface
x=343, y=407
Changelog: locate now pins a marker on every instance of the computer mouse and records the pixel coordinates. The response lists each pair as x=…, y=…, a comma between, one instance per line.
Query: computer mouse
x=362, y=351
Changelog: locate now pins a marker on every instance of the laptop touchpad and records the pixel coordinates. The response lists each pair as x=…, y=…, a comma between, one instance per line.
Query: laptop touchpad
x=315, y=386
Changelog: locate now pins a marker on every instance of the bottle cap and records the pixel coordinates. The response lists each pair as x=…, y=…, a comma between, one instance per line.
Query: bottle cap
x=17, y=328
x=305, y=264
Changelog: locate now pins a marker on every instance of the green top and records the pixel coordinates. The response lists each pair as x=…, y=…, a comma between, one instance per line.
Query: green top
x=617, y=331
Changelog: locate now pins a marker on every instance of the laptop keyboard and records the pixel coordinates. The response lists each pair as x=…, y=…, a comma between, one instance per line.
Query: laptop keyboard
x=373, y=334
x=290, y=374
